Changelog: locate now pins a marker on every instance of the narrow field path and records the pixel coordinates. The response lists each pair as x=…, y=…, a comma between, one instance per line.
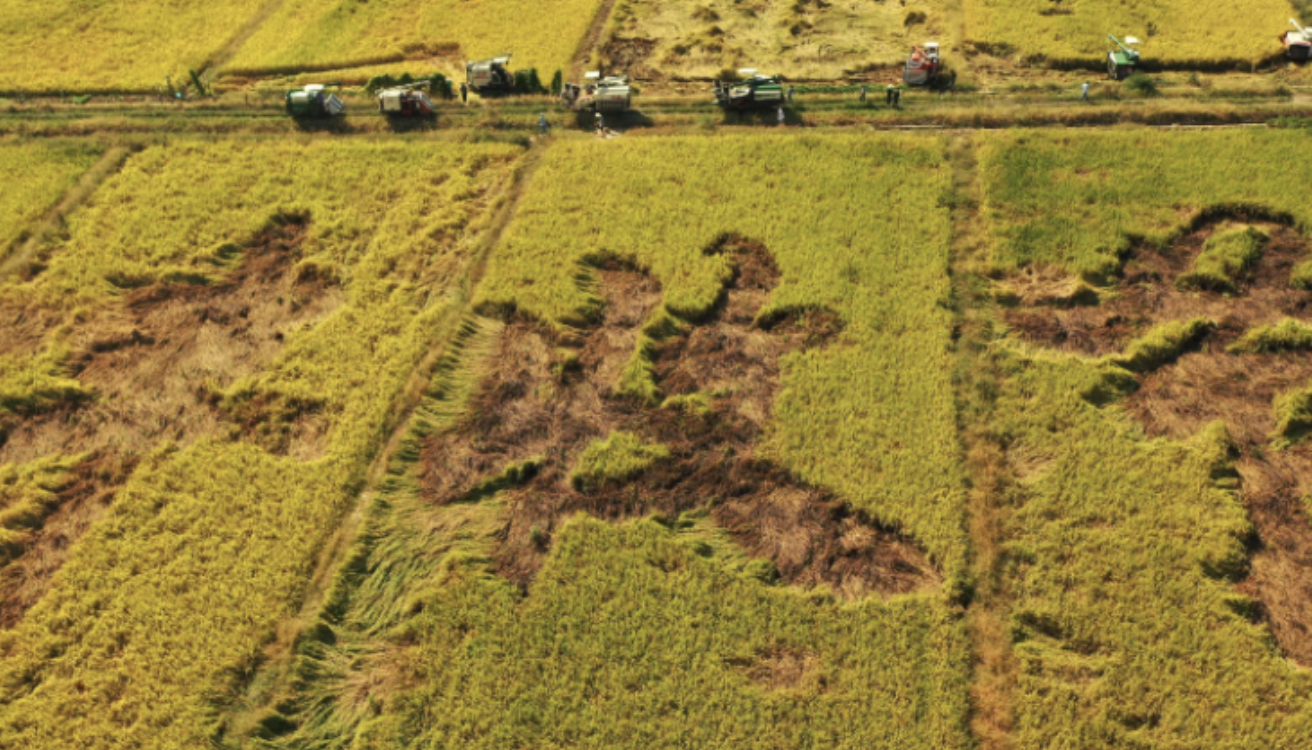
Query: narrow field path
x=22, y=253
x=243, y=35
x=994, y=665
x=267, y=682
x=590, y=41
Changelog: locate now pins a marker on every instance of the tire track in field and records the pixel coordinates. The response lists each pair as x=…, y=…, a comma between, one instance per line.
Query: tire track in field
x=591, y=40
x=267, y=683
x=16, y=260
x=993, y=665
x=241, y=37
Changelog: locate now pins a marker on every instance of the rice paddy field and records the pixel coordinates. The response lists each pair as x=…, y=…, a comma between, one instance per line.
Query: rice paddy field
x=330, y=35
x=805, y=40
x=1207, y=35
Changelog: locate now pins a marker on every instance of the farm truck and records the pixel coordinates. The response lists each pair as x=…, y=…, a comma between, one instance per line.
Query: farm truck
x=490, y=77
x=755, y=91
x=1298, y=43
x=408, y=100
x=611, y=94
x=314, y=101
x=1121, y=63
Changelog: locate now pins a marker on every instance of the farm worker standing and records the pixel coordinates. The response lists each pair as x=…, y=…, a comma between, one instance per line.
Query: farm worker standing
x=781, y=115
x=889, y=98
x=542, y=123
x=897, y=98
x=1084, y=92
x=863, y=92
x=601, y=125
x=790, y=94
x=464, y=93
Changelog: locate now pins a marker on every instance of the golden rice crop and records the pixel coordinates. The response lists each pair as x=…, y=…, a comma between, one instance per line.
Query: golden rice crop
x=1178, y=32
x=34, y=176
x=65, y=45
x=162, y=608
x=328, y=34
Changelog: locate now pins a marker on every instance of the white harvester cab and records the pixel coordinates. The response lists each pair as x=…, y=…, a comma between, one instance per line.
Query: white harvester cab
x=611, y=94
x=490, y=76
x=1298, y=43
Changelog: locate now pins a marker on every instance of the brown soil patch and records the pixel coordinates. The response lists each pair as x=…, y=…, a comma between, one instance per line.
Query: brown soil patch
x=154, y=362
x=629, y=56
x=1212, y=384
x=549, y=400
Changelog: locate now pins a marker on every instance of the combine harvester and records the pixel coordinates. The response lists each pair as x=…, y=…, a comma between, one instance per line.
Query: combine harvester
x=314, y=101
x=408, y=100
x=1298, y=43
x=1121, y=63
x=490, y=77
x=924, y=66
x=755, y=91
x=608, y=95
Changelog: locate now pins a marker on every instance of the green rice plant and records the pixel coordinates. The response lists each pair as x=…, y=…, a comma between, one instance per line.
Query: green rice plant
x=32, y=383
x=1301, y=276
x=1287, y=335
x=1293, y=417
x=1080, y=202
x=617, y=459
x=35, y=176
x=1162, y=344
x=162, y=610
x=1225, y=258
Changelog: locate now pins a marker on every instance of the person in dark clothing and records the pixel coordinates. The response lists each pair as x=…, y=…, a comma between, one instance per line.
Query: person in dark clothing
x=889, y=98
x=464, y=93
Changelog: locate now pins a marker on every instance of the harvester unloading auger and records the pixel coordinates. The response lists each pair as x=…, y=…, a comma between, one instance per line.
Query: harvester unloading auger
x=314, y=101
x=1298, y=43
x=408, y=100
x=755, y=91
x=490, y=76
x=1123, y=62
x=608, y=95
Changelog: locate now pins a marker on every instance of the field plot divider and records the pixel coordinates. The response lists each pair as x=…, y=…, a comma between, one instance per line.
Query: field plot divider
x=13, y=259
x=272, y=677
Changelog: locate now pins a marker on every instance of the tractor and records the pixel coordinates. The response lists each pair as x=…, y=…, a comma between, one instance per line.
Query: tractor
x=407, y=100
x=923, y=66
x=490, y=76
x=314, y=101
x=1122, y=63
x=755, y=91
x=611, y=94
x=1298, y=43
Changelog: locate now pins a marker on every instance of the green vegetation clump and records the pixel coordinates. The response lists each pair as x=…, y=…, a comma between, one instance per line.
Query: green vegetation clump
x=1301, y=276
x=28, y=492
x=1225, y=258
x=1293, y=416
x=1287, y=335
x=1162, y=344
x=36, y=382
x=617, y=459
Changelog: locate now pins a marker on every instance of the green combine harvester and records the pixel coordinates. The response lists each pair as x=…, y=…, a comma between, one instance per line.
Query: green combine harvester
x=753, y=92
x=1123, y=62
x=314, y=101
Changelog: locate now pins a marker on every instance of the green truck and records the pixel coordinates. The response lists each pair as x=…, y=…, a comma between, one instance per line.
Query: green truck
x=755, y=91
x=314, y=101
x=1122, y=62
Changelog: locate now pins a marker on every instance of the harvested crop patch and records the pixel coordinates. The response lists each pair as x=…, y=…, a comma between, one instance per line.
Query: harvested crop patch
x=706, y=456
x=810, y=39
